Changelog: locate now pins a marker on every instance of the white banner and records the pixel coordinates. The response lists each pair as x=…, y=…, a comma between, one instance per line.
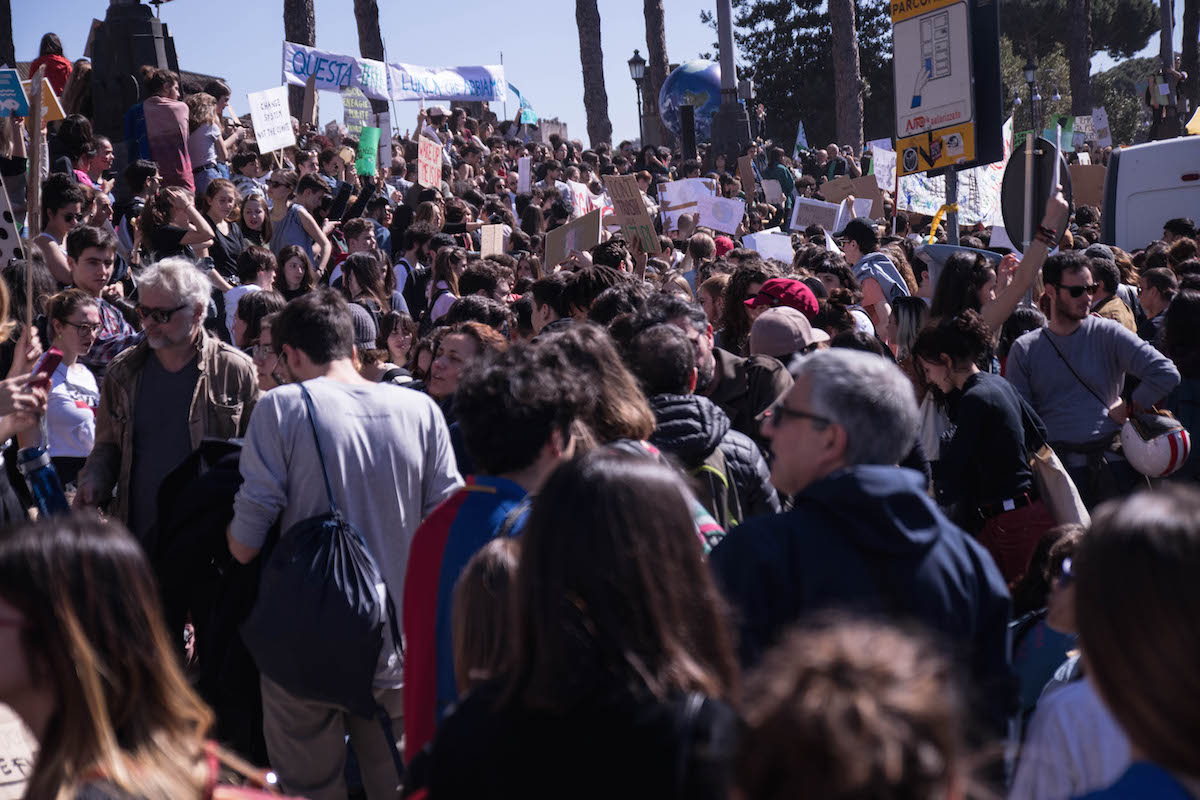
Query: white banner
x=771, y=245
x=411, y=82
x=682, y=197
x=271, y=119
x=978, y=190
x=883, y=164
x=333, y=71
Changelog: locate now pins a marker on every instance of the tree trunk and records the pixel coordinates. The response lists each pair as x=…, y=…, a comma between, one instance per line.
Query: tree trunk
x=1080, y=56
x=847, y=81
x=300, y=27
x=8, y=53
x=370, y=41
x=1189, y=60
x=591, y=57
x=656, y=67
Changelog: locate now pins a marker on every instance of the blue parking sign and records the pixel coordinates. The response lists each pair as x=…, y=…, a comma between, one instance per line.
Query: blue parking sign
x=13, y=102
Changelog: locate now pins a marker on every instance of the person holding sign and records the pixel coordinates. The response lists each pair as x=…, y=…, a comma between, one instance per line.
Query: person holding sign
x=291, y=223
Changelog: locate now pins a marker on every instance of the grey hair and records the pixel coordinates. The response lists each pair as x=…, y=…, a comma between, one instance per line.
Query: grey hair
x=179, y=278
x=869, y=397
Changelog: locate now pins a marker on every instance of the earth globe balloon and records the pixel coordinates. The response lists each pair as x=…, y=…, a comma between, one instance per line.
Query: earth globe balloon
x=695, y=83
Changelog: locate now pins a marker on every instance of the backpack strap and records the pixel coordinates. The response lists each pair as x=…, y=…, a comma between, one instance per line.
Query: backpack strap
x=312, y=418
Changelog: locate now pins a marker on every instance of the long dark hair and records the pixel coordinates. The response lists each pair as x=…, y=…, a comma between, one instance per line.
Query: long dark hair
x=964, y=339
x=619, y=599
x=369, y=275
x=287, y=254
x=93, y=632
x=958, y=286
x=1181, y=337
x=736, y=333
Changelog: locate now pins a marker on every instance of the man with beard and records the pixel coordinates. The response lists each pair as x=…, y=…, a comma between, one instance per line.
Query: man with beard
x=159, y=399
x=743, y=388
x=1072, y=372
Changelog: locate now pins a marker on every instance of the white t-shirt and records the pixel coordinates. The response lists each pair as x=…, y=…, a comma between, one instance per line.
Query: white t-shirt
x=232, y=297
x=71, y=411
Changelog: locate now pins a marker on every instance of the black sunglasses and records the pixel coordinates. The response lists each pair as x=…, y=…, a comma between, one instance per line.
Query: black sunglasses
x=159, y=315
x=1077, y=291
x=779, y=413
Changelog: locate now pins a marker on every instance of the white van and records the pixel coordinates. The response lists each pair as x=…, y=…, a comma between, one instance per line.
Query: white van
x=1145, y=186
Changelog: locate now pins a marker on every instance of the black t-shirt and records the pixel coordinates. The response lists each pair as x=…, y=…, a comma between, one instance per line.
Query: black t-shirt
x=167, y=241
x=226, y=249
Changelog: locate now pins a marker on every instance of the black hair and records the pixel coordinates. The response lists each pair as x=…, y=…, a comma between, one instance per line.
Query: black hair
x=625, y=298
x=663, y=360
x=1106, y=273
x=1063, y=262
x=965, y=338
x=858, y=340
x=137, y=173
x=610, y=254
x=253, y=307
x=481, y=276
x=1180, y=226
x=477, y=308
x=85, y=236
x=508, y=407
x=418, y=234
x=51, y=45
x=553, y=291
x=1022, y=320
x=59, y=191
x=317, y=324
x=958, y=286
x=253, y=260
x=664, y=308
x=589, y=283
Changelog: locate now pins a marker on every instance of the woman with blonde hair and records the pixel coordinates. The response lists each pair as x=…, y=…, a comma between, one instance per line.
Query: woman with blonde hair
x=430, y=213
x=88, y=666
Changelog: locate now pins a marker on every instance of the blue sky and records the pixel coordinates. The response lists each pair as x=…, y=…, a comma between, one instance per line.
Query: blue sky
x=242, y=41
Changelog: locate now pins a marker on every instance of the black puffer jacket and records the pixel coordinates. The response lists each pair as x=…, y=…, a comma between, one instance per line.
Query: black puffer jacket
x=690, y=427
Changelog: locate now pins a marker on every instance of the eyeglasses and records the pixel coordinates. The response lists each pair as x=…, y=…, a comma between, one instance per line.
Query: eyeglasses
x=278, y=185
x=159, y=315
x=780, y=413
x=84, y=327
x=1076, y=291
x=260, y=352
x=71, y=217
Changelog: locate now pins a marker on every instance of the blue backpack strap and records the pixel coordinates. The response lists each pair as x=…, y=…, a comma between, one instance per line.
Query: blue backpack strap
x=312, y=418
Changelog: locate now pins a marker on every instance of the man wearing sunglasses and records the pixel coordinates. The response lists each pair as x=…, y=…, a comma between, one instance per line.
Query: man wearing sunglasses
x=1072, y=373
x=160, y=398
x=863, y=534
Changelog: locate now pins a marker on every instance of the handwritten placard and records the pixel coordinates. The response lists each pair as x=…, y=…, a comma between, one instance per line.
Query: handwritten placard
x=271, y=119
x=429, y=163
x=574, y=237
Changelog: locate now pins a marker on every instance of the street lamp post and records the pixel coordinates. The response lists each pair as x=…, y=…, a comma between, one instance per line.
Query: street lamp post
x=637, y=71
x=1030, y=71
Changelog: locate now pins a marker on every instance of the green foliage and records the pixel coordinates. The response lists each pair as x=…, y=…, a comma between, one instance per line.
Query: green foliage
x=1118, y=90
x=787, y=50
x=1053, y=73
x=1119, y=27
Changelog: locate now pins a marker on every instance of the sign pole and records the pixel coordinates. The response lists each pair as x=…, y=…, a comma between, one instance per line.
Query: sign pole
x=952, y=203
x=1027, y=234
x=37, y=140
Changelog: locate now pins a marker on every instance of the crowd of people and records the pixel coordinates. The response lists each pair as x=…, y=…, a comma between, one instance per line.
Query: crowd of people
x=695, y=523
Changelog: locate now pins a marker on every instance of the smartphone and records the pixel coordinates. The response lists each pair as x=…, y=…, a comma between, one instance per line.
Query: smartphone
x=46, y=365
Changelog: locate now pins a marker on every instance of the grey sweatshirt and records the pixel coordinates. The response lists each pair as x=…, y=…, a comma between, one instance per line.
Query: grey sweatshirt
x=1102, y=352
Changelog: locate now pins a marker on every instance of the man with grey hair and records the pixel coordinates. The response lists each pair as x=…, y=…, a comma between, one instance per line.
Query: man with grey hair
x=162, y=397
x=863, y=535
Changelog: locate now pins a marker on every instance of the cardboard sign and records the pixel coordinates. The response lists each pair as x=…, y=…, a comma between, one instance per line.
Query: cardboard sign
x=883, y=167
x=682, y=197
x=491, y=240
x=51, y=109
x=574, y=237
x=429, y=163
x=271, y=120
x=847, y=212
x=771, y=245
x=1087, y=184
x=13, y=100
x=17, y=749
x=626, y=196
x=773, y=191
x=11, y=245
x=384, y=123
x=366, y=160
x=356, y=110
x=721, y=214
x=1100, y=125
x=813, y=212
x=524, y=172
x=837, y=189
x=746, y=176
x=641, y=236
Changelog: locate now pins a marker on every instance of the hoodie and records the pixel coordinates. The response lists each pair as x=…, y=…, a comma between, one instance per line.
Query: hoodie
x=878, y=266
x=691, y=427
x=868, y=539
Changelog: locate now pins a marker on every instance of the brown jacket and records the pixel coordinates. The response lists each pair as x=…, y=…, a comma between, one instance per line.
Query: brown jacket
x=225, y=394
x=1114, y=308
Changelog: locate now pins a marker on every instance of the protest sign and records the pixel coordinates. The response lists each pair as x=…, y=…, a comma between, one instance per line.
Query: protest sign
x=356, y=108
x=1100, y=125
x=491, y=240
x=17, y=749
x=13, y=101
x=883, y=167
x=574, y=237
x=366, y=160
x=746, y=176
x=271, y=120
x=836, y=190
x=1084, y=157
x=52, y=110
x=720, y=214
x=630, y=212
x=864, y=188
x=681, y=197
x=429, y=163
x=582, y=199
x=807, y=212
x=641, y=236
x=383, y=121
x=770, y=245
x=524, y=170
x=476, y=83
x=11, y=245
x=848, y=211
x=773, y=192
x=1087, y=184
x=528, y=115
x=333, y=72
x=801, y=141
